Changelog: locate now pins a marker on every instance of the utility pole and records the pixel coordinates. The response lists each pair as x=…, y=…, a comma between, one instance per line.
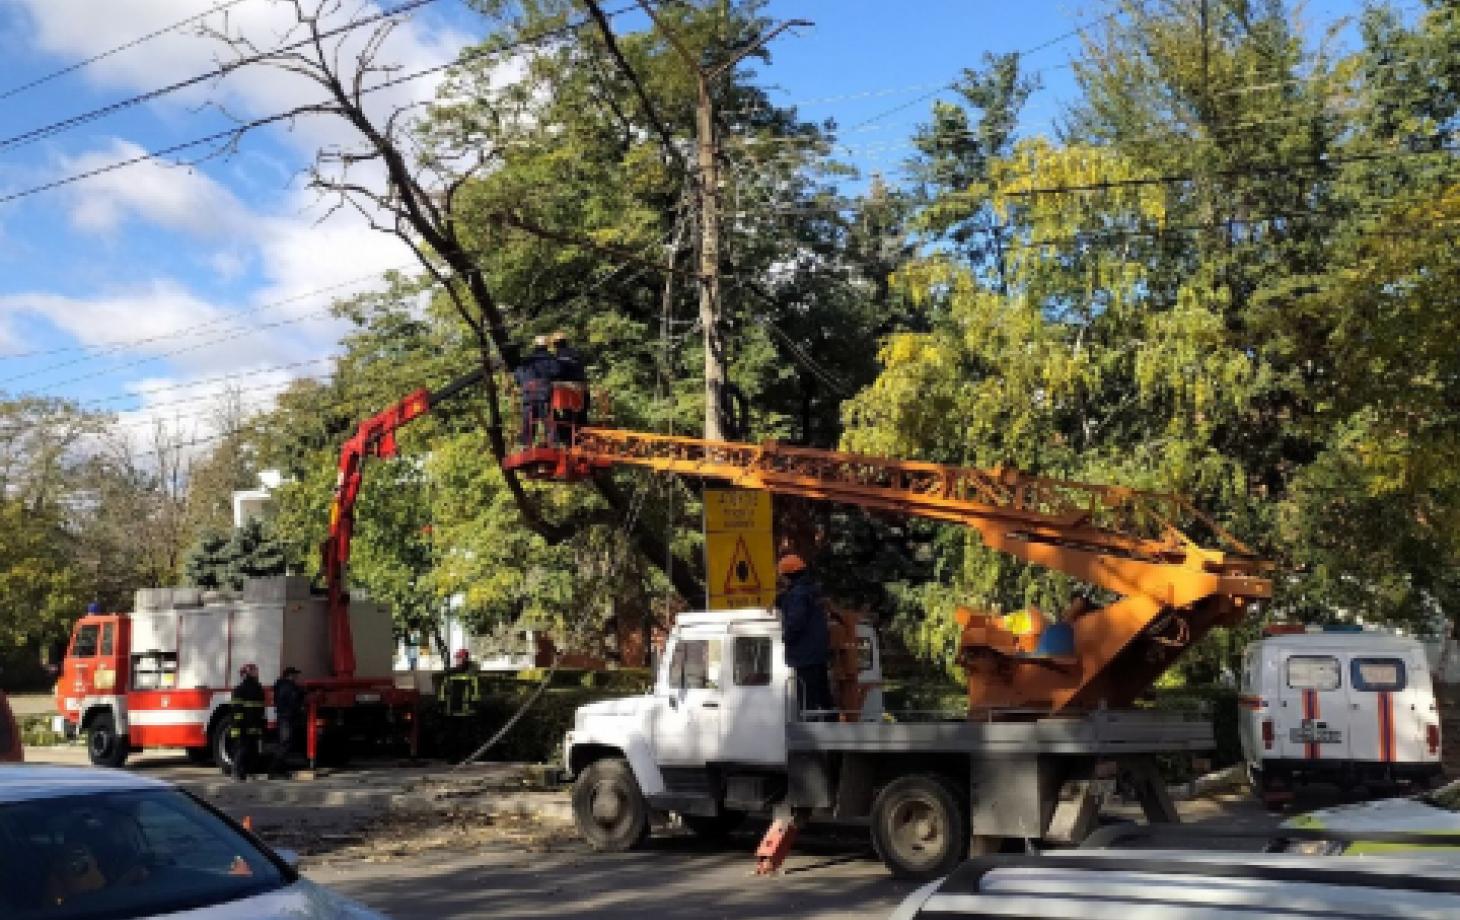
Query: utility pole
x=708, y=182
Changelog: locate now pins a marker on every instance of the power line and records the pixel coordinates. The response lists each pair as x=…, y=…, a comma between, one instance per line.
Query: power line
x=236, y=132
x=73, y=121
x=106, y=348
x=118, y=49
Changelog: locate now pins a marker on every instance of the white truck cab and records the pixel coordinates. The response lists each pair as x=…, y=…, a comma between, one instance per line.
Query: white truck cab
x=1337, y=705
x=709, y=741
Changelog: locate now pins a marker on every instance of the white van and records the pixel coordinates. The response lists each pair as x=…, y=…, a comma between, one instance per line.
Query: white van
x=1353, y=707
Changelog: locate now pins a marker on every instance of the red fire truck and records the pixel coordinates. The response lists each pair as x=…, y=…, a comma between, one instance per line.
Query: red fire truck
x=162, y=675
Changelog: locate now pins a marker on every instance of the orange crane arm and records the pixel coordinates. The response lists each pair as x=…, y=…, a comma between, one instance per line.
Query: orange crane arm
x=1172, y=590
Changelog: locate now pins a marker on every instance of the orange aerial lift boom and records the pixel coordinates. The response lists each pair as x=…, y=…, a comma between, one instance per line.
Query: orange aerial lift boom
x=1168, y=590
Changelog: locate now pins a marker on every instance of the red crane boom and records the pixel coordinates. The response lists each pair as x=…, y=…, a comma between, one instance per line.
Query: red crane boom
x=375, y=437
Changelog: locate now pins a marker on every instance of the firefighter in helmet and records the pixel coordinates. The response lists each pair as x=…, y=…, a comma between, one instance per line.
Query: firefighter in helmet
x=246, y=731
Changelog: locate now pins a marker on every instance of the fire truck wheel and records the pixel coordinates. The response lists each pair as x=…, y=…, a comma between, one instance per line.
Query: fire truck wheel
x=608, y=807
x=105, y=747
x=218, y=744
x=199, y=756
x=918, y=827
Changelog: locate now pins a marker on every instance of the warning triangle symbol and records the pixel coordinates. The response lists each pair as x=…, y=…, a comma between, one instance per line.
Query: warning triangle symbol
x=741, y=577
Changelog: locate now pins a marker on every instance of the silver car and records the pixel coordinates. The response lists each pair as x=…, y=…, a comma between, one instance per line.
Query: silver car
x=82, y=844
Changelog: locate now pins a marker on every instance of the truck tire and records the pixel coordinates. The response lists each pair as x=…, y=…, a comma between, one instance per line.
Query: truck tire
x=608, y=807
x=218, y=744
x=919, y=828
x=714, y=827
x=199, y=756
x=103, y=745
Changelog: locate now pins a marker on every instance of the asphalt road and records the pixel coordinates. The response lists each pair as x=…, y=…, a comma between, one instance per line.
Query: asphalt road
x=673, y=878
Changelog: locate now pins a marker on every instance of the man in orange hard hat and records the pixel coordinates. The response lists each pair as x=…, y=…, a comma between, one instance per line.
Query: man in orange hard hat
x=803, y=627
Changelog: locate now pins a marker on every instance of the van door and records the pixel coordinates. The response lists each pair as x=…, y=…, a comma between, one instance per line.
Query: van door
x=1252, y=708
x=686, y=728
x=1313, y=707
x=756, y=696
x=1383, y=719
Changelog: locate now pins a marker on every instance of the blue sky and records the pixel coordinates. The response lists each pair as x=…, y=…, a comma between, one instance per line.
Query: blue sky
x=144, y=286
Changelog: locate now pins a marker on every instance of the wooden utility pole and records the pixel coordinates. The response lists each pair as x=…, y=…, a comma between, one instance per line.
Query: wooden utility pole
x=708, y=183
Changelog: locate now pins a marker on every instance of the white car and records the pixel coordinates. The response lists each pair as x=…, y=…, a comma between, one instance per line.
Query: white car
x=1188, y=885
x=84, y=844
x=1429, y=813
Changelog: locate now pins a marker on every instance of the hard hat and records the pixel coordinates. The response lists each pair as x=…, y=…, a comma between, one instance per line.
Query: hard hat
x=790, y=564
x=461, y=653
x=557, y=337
x=540, y=340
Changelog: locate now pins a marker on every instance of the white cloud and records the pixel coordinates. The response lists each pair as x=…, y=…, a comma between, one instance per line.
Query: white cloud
x=282, y=235
x=79, y=29
x=174, y=197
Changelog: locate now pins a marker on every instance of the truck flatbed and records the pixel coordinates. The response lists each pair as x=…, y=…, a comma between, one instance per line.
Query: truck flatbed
x=1110, y=733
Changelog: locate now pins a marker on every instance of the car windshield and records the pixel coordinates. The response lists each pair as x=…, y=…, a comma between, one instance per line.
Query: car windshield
x=1446, y=797
x=115, y=855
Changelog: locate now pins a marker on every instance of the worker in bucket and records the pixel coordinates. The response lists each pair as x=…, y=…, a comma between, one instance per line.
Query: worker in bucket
x=803, y=626
x=573, y=376
x=535, y=376
x=289, y=712
x=246, y=731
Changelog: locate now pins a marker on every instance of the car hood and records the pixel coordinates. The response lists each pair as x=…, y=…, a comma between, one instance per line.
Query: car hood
x=623, y=706
x=1402, y=814
x=303, y=900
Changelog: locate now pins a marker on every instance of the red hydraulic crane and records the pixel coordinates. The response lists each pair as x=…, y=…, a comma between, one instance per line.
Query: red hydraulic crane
x=375, y=437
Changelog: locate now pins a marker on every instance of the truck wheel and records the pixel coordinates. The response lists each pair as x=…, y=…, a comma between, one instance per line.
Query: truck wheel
x=608, y=807
x=103, y=745
x=218, y=744
x=199, y=756
x=714, y=827
x=919, y=828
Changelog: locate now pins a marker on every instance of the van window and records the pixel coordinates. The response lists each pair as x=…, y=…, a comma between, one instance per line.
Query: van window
x=752, y=661
x=106, y=639
x=695, y=664
x=85, y=644
x=1378, y=674
x=1313, y=672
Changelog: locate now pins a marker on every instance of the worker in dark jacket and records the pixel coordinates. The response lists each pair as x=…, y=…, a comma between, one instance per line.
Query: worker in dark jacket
x=288, y=713
x=804, y=629
x=535, y=376
x=572, y=375
x=246, y=731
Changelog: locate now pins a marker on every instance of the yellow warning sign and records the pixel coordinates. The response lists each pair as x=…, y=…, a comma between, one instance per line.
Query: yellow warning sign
x=739, y=551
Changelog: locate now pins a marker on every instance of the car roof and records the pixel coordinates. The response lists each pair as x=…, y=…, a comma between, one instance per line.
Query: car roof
x=1192, y=885
x=1340, y=639
x=30, y=782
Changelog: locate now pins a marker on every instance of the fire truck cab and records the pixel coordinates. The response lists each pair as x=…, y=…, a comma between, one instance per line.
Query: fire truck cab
x=162, y=675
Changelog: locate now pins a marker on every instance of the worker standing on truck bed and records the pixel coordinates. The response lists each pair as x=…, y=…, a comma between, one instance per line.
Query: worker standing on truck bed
x=535, y=376
x=247, y=730
x=803, y=624
x=288, y=709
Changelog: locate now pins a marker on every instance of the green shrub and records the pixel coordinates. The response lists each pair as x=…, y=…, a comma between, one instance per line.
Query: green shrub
x=536, y=738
